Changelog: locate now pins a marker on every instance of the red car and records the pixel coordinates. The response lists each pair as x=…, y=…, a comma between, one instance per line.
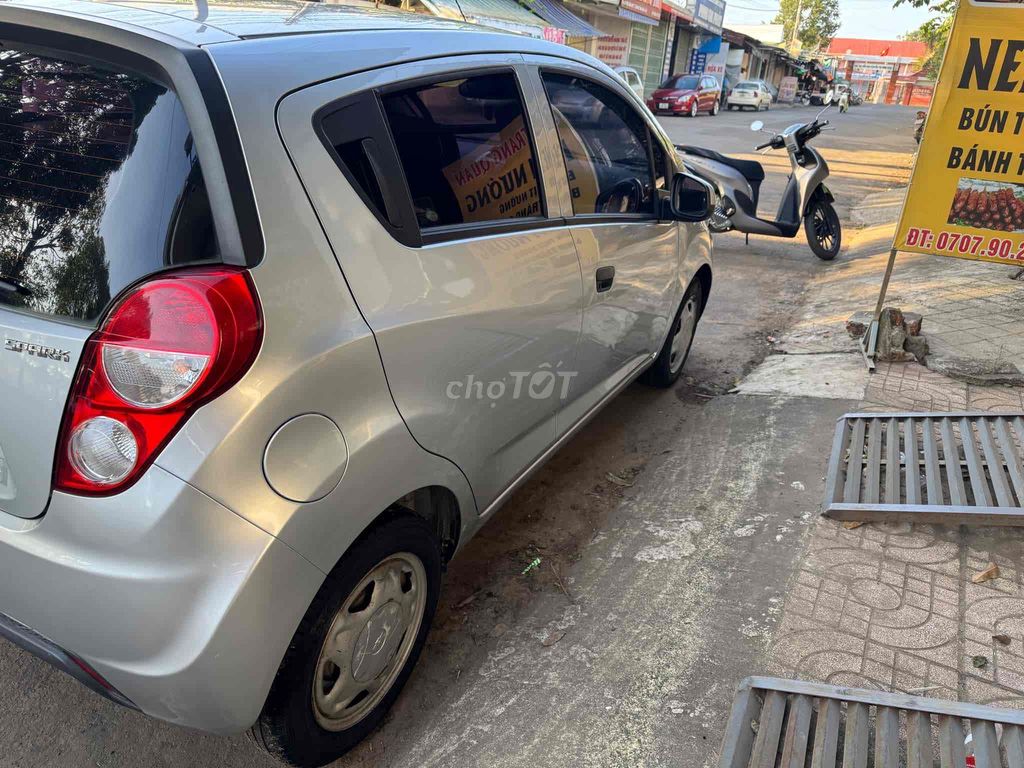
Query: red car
x=687, y=95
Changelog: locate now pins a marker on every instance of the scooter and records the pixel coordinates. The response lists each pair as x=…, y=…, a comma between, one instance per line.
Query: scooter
x=806, y=200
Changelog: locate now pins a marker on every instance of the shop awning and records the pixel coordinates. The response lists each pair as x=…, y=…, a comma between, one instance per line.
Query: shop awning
x=557, y=15
x=502, y=14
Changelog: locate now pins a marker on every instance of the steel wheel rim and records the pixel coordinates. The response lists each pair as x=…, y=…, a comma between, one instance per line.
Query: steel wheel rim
x=686, y=326
x=369, y=641
x=824, y=230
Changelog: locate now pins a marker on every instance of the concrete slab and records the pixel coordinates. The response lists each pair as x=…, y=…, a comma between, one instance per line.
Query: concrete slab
x=832, y=376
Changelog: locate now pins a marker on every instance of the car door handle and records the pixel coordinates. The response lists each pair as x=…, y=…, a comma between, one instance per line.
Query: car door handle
x=605, y=278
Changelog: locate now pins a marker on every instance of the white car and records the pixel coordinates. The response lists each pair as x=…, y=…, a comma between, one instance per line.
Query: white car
x=750, y=93
x=633, y=80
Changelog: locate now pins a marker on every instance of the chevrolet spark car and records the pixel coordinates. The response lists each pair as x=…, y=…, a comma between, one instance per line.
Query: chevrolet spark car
x=293, y=298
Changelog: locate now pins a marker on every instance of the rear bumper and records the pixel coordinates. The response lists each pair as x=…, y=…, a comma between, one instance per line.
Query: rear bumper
x=181, y=606
x=47, y=650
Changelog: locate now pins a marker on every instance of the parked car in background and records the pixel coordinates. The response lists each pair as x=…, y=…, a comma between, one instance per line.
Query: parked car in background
x=633, y=80
x=687, y=95
x=750, y=94
x=772, y=89
x=240, y=434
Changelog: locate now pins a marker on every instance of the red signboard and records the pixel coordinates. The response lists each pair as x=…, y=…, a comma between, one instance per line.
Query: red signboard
x=649, y=8
x=554, y=35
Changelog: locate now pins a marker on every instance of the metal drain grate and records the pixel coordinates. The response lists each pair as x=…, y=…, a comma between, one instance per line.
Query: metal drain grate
x=791, y=724
x=927, y=467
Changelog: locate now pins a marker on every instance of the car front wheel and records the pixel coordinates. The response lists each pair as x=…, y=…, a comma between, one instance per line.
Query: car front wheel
x=356, y=645
x=666, y=368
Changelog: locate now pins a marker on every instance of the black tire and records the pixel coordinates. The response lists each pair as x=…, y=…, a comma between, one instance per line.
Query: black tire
x=715, y=108
x=662, y=373
x=287, y=727
x=692, y=111
x=824, y=230
x=730, y=107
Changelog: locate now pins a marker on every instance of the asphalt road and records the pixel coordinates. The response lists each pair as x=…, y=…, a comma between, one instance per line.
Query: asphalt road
x=652, y=599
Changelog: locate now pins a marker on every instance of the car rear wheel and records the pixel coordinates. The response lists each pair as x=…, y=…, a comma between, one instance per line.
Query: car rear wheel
x=356, y=646
x=715, y=108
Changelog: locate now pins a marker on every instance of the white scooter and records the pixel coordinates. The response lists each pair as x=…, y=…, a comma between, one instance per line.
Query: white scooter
x=806, y=200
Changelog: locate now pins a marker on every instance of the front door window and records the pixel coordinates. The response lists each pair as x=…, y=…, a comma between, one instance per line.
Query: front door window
x=605, y=146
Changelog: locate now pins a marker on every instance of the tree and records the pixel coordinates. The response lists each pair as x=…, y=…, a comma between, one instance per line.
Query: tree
x=934, y=32
x=817, y=25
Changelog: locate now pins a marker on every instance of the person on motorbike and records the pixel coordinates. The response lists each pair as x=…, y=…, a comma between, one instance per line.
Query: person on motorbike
x=844, y=101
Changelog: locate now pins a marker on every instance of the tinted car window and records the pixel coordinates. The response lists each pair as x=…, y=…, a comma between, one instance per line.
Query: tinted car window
x=604, y=144
x=99, y=185
x=684, y=82
x=466, y=151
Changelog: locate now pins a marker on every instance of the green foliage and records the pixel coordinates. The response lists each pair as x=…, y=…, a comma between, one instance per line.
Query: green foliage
x=818, y=23
x=934, y=32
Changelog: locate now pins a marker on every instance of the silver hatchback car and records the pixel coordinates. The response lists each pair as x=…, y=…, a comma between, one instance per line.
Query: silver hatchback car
x=293, y=298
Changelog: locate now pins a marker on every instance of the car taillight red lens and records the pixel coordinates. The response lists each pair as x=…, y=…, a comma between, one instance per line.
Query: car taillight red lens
x=168, y=346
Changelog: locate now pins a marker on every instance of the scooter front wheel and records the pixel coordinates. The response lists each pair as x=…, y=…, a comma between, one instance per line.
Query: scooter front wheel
x=824, y=230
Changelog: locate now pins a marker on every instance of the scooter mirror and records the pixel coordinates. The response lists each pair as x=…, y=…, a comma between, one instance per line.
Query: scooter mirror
x=756, y=126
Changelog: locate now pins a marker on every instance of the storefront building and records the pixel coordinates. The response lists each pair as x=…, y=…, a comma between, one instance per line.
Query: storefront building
x=879, y=70
x=696, y=45
x=633, y=34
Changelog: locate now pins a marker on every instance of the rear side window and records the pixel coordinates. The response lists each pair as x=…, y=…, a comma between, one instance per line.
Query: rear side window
x=100, y=185
x=465, y=148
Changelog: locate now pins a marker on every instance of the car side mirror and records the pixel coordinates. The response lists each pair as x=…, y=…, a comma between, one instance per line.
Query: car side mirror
x=692, y=199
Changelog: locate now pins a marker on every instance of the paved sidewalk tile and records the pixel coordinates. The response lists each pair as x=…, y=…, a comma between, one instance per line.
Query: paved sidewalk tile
x=892, y=606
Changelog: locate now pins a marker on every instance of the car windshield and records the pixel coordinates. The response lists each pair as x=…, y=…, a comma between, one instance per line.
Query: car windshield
x=683, y=83
x=749, y=85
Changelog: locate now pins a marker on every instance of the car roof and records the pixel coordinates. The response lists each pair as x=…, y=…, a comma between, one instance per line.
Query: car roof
x=204, y=22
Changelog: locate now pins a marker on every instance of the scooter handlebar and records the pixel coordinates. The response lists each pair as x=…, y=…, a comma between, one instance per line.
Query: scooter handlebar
x=776, y=142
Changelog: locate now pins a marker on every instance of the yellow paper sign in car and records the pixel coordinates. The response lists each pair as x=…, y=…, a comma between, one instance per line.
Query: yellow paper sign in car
x=583, y=186
x=497, y=180
x=966, y=196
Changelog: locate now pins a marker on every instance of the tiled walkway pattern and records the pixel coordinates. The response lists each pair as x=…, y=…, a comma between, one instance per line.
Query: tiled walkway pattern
x=972, y=310
x=892, y=606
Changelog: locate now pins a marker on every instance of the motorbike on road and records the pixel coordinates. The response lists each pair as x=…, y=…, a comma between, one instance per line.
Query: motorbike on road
x=807, y=200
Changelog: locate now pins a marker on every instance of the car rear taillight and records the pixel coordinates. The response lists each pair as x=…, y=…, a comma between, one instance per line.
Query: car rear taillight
x=169, y=345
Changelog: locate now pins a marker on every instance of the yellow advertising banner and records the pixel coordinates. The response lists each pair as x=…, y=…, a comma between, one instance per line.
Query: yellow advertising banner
x=966, y=196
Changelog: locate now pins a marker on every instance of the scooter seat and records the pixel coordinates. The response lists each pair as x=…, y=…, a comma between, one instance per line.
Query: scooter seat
x=751, y=169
